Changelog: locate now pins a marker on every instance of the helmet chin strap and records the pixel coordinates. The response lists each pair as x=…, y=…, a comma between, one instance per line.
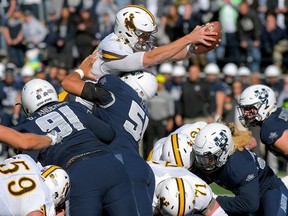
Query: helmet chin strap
x=22, y=107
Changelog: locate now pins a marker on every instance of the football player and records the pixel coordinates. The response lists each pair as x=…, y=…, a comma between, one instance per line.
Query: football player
x=258, y=107
x=188, y=130
x=26, y=188
x=180, y=192
x=258, y=191
x=129, y=47
x=121, y=102
x=98, y=179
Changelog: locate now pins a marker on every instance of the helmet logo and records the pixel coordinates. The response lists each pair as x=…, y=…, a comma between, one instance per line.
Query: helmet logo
x=163, y=202
x=129, y=23
x=38, y=92
x=221, y=141
x=44, y=93
x=262, y=95
x=193, y=135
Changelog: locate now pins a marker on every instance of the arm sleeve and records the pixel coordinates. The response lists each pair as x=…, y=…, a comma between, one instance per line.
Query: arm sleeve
x=246, y=201
x=131, y=62
x=95, y=93
x=101, y=129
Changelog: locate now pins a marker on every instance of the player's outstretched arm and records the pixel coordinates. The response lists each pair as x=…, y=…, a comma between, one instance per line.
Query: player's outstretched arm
x=177, y=50
x=25, y=141
x=73, y=83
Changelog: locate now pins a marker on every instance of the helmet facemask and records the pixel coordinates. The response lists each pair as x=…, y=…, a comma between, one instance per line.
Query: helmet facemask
x=249, y=115
x=210, y=162
x=145, y=41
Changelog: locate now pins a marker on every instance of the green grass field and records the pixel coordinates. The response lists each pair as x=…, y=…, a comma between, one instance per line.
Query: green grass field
x=219, y=190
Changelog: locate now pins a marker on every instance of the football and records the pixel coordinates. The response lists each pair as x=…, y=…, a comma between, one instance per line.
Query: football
x=201, y=48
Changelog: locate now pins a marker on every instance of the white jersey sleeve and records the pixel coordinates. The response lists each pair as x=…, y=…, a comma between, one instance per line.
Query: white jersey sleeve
x=164, y=170
x=115, y=57
x=191, y=130
x=22, y=189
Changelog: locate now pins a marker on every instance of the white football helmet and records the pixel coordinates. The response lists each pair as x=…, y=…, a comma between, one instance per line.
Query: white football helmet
x=58, y=182
x=230, y=69
x=27, y=71
x=212, y=147
x=179, y=71
x=144, y=83
x=272, y=71
x=36, y=93
x=211, y=68
x=166, y=68
x=256, y=103
x=176, y=197
x=177, y=149
x=244, y=71
x=135, y=24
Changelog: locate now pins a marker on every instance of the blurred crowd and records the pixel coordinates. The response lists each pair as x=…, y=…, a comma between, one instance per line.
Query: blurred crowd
x=47, y=39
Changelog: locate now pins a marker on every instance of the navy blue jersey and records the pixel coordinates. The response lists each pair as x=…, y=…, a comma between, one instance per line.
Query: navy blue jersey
x=273, y=128
x=75, y=123
x=248, y=177
x=98, y=180
x=126, y=113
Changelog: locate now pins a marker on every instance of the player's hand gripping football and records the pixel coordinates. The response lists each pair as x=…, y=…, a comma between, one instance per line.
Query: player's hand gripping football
x=201, y=35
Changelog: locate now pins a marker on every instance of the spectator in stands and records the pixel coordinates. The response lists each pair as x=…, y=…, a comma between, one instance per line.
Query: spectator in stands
x=61, y=74
x=66, y=40
x=174, y=23
x=229, y=46
x=104, y=28
x=216, y=90
x=34, y=31
x=273, y=79
x=161, y=37
x=274, y=41
x=178, y=78
x=34, y=7
x=244, y=75
x=11, y=98
x=230, y=71
x=14, y=37
x=231, y=114
x=72, y=6
x=280, y=8
x=51, y=38
x=249, y=27
x=6, y=10
x=85, y=34
x=190, y=19
x=194, y=89
x=262, y=11
x=106, y=7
